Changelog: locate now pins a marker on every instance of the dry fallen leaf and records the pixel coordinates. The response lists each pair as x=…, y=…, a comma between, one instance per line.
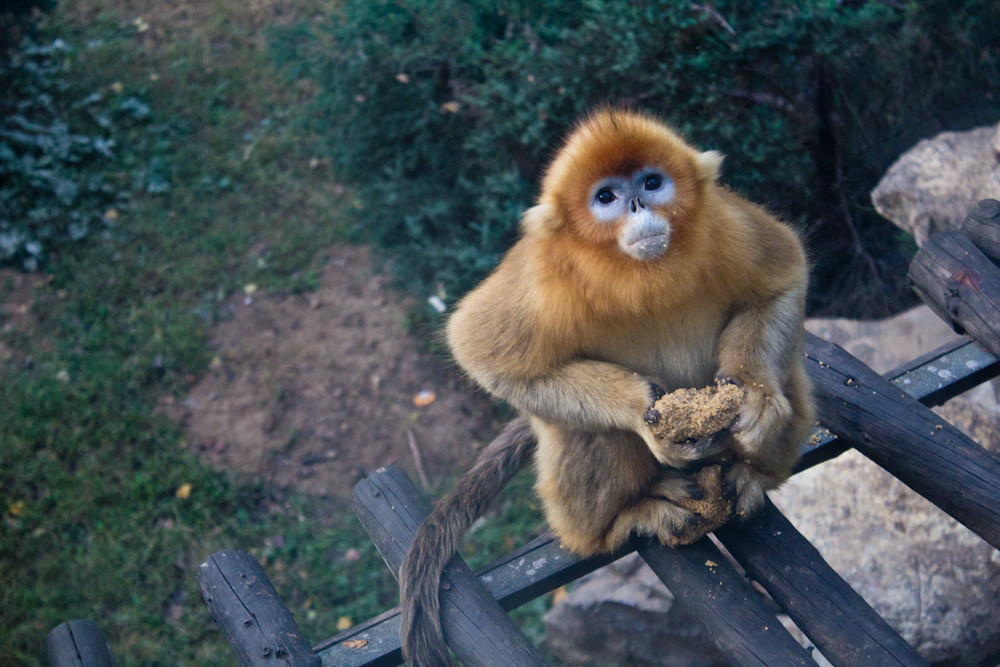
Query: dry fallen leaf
x=711, y=563
x=183, y=491
x=356, y=643
x=425, y=397
x=16, y=509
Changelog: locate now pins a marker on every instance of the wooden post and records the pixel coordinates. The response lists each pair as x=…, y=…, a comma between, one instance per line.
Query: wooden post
x=983, y=226
x=923, y=451
x=255, y=621
x=961, y=285
x=78, y=644
x=476, y=628
x=844, y=628
x=745, y=631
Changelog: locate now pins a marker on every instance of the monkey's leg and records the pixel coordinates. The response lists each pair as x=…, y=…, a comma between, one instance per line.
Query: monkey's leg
x=598, y=486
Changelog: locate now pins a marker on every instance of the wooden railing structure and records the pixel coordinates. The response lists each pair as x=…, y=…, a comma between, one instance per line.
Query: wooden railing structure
x=886, y=418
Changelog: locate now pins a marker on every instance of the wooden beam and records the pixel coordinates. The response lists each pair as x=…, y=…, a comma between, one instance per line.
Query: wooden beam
x=961, y=285
x=255, y=621
x=476, y=628
x=912, y=443
x=982, y=225
x=78, y=644
x=844, y=628
x=745, y=631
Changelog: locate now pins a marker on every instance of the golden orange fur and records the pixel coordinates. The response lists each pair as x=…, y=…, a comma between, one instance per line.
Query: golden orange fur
x=571, y=331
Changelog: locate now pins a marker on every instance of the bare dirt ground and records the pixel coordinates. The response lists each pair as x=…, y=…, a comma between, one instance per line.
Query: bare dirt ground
x=310, y=392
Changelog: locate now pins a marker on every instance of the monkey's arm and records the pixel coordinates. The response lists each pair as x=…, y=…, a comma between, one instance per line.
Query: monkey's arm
x=758, y=349
x=525, y=354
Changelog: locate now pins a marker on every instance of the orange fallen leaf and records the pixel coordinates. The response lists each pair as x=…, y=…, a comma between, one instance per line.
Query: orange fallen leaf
x=356, y=643
x=424, y=398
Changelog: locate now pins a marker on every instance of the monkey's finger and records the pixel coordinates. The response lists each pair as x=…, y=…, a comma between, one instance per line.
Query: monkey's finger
x=728, y=379
x=656, y=391
x=651, y=416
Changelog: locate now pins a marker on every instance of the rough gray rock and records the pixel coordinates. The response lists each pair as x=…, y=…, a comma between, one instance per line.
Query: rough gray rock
x=623, y=615
x=930, y=578
x=932, y=186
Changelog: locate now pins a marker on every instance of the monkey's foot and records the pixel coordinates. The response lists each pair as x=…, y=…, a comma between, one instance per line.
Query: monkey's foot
x=745, y=486
x=709, y=505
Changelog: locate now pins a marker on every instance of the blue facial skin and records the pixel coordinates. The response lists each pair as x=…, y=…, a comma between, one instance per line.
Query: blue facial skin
x=644, y=234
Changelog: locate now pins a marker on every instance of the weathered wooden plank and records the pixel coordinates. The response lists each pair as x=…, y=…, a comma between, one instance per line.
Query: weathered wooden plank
x=376, y=642
x=845, y=629
x=78, y=644
x=744, y=630
x=255, y=621
x=961, y=285
x=476, y=628
x=982, y=225
x=906, y=438
x=535, y=569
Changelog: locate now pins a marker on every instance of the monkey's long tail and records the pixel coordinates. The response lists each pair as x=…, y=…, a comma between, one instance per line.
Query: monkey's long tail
x=439, y=535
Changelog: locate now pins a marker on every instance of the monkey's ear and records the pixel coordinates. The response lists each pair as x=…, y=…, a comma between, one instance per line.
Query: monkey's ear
x=540, y=220
x=709, y=164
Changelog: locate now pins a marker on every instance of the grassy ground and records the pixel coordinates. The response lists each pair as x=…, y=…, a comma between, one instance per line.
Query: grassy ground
x=98, y=519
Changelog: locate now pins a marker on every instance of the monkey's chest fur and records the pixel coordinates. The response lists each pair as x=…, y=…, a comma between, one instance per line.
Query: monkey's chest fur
x=679, y=350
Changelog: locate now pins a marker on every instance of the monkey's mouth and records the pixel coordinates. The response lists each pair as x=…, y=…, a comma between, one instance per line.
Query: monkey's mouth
x=647, y=244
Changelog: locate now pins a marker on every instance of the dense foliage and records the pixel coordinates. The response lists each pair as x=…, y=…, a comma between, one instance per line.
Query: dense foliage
x=444, y=112
x=56, y=138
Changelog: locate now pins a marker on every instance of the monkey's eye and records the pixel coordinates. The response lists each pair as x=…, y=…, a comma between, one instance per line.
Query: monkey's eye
x=653, y=182
x=606, y=196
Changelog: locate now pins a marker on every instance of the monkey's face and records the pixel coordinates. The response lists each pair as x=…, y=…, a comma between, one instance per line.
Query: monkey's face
x=635, y=204
x=626, y=183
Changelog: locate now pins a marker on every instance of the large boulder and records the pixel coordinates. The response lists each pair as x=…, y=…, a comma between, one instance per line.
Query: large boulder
x=932, y=186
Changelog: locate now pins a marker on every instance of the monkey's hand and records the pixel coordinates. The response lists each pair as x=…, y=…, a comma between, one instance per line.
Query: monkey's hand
x=692, y=424
x=763, y=418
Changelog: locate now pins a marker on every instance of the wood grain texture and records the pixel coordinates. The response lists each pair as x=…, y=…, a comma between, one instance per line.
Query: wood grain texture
x=476, y=628
x=906, y=438
x=982, y=226
x=255, y=621
x=745, y=631
x=840, y=623
x=78, y=644
x=961, y=285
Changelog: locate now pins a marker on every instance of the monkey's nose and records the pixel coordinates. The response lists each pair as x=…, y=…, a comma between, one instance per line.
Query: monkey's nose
x=635, y=204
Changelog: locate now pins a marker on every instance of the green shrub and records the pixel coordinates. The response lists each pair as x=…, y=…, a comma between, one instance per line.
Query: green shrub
x=55, y=140
x=443, y=112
